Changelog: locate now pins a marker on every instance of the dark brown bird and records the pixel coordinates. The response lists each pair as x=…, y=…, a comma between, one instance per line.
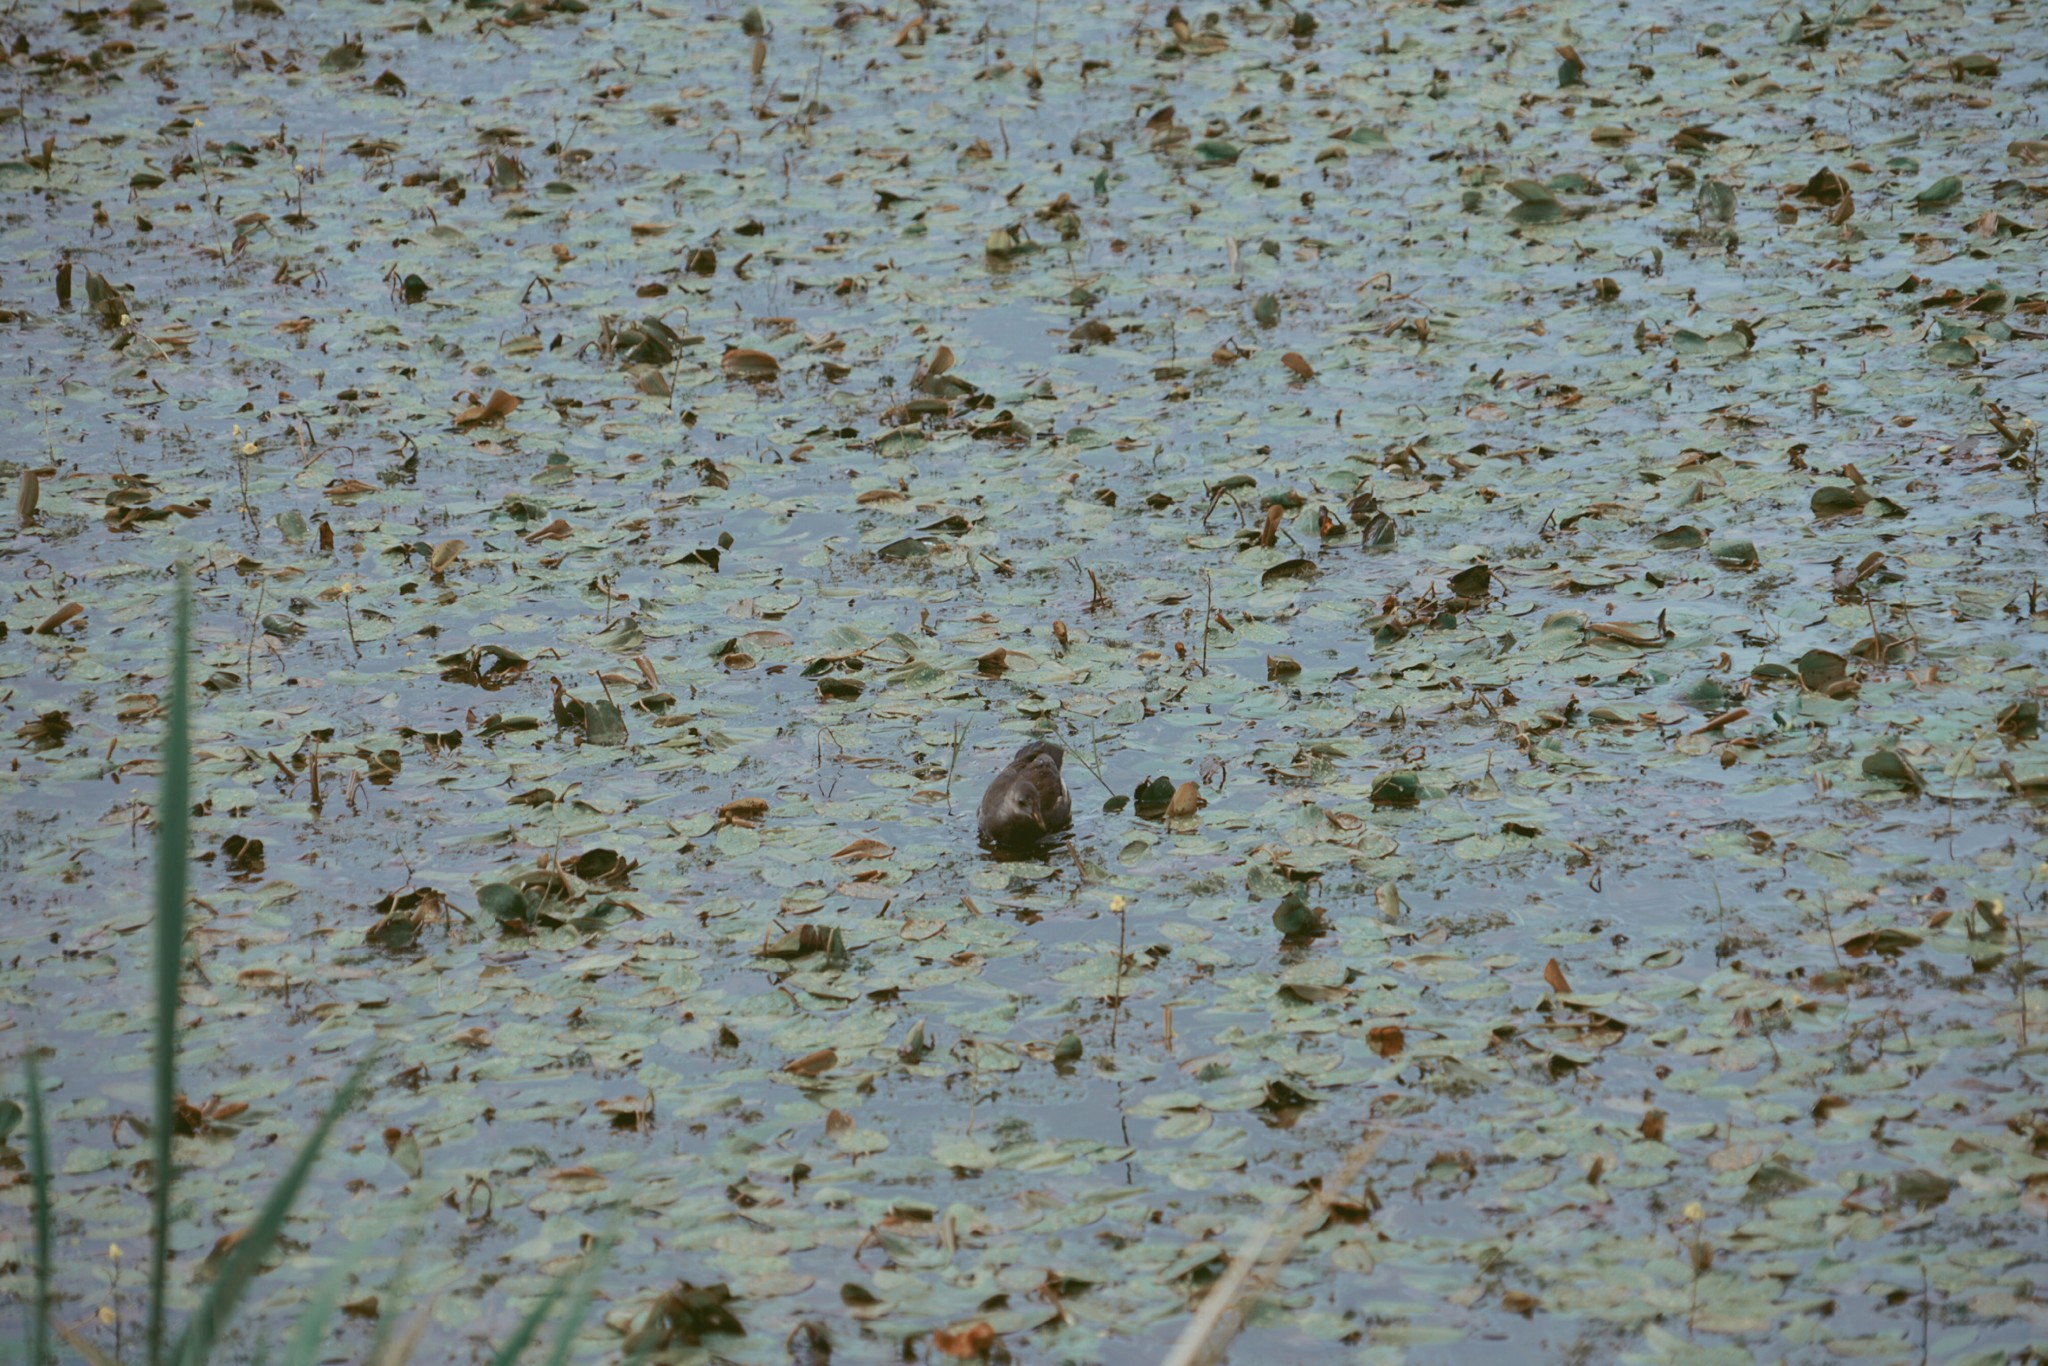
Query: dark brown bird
x=1028, y=800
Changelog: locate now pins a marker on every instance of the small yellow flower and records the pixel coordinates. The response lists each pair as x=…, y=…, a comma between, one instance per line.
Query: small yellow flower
x=1694, y=1214
x=113, y=1252
x=107, y=1315
x=250, y=448
x=1116, y=905
x=238, y=429
x=126, y=320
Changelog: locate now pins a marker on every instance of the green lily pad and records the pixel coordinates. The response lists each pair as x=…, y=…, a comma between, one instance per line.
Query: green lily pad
x=1399, y=788
x=1891, y=766
x=1943, y=191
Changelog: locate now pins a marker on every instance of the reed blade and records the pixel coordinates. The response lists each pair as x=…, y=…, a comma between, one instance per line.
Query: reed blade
x=173, y=848
x=213, y=1312
x=39, y=1193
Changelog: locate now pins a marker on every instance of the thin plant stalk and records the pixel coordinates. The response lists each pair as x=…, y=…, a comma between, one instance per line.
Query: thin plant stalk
x=1094, y=745
x=1119, y=905
x=960, y=729
x=39, y=1183
x=173, y=847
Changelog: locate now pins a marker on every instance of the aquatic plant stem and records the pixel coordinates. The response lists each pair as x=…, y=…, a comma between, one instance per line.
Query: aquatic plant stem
x=1208, y=616
x=173, y=837
x=1121, y=907
x=39, y=1182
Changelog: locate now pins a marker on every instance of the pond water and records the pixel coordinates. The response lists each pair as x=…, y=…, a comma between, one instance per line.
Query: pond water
x=1561, y=483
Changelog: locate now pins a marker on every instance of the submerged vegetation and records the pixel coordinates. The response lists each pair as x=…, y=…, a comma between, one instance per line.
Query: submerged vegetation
x=1525, y=525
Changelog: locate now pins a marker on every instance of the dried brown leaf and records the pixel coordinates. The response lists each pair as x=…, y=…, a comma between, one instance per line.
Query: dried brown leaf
x=744, y=363
x=812, y=1064
x=499, y=406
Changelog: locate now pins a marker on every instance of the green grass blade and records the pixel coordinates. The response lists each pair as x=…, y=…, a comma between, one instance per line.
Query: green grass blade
x=529, y=1326
x=310, y=1332
x=579, y=1302
x=197, y=1339
x=39, y=1186
x=579, y=1285
x=396, y=1286
x=173, y=849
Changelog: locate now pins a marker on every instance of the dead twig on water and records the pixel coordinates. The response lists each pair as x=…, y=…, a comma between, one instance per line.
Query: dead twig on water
x=1222, y=1312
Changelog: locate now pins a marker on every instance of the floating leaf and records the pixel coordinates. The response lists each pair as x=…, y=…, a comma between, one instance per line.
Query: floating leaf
x=1288, y=570
x=1888, y=941
x=1296, y=919
x=1821, y=670
x=966, y=1342
x=1535, y=203
x=1399, y=788
x=505, y=903
x=1641, y=636
x=346, y=55
x=1679, y=538
x=1834, y=500
x=1891, y=766
x=499, y=406
x=812, y=1064
x=754, y=366
x=1473, y=582
x=1943, y=191
x=916, y=1043
x=683, y=1316
x=1152, y=797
